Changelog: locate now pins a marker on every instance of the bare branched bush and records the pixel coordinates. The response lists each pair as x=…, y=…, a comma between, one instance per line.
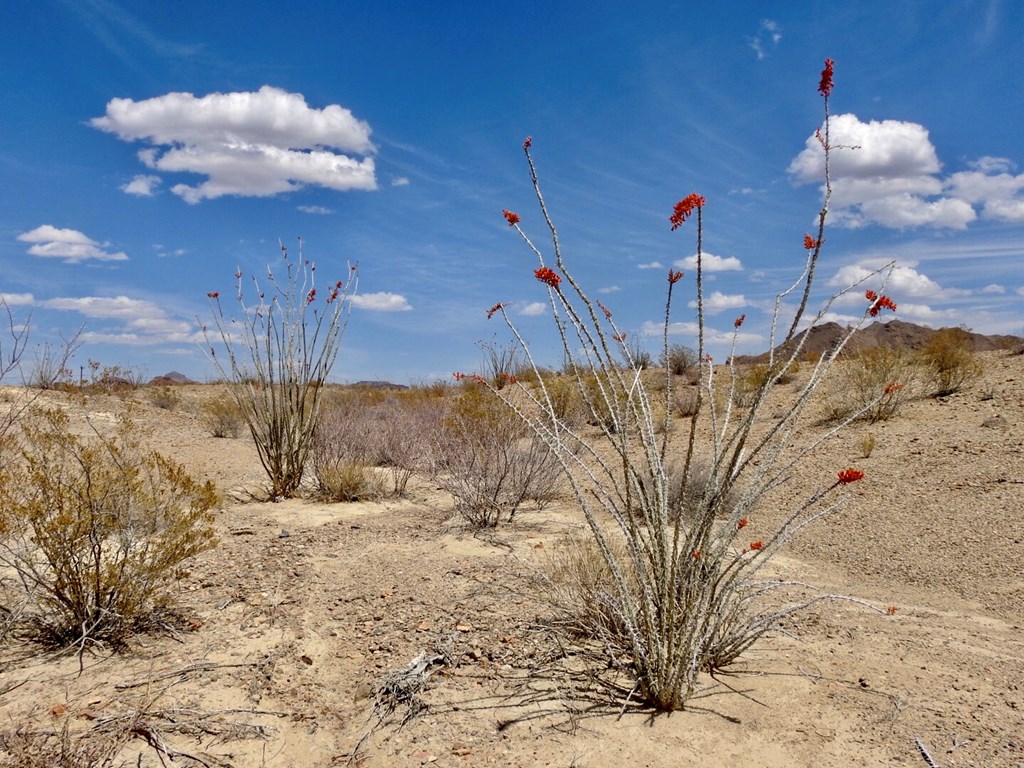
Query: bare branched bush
x=950, y=362
x=685, y=553
x=343, y=450
x=872, y=385
x=95, y=528
x=679, y=360
x=279, y=354
x=489, y=462
x=501, y=362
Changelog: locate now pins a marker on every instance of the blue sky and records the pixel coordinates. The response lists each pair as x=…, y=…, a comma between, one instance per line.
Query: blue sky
x=147, y=149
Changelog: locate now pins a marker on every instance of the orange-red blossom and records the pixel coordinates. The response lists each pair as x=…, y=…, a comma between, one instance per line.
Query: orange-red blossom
x=548, y=276
x=850, y=475
x=682, y=210
x=511, y=217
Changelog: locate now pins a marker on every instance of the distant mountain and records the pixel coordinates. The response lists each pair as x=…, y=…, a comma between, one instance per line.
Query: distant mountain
x=171, y=378
x=894, y=333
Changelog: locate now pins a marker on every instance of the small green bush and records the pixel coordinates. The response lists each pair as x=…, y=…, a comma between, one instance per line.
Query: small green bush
x=96, y=527
x=222, y=417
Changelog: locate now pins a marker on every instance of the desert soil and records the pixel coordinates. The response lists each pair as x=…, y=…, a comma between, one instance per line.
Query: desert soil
x=289, y=626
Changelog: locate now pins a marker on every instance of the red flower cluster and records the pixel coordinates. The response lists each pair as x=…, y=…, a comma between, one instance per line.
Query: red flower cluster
x=878, y=303
x=547, y=275
x=695, y=554
x=682, y=210
x=809, y=243
x=213, y=294
x=756, y=545
x=510, y=378
x=335, y=291
x=893, y=387
x=620, y=337
x=738, y=321
x=825, y=87
x=528, y=142
x=607, y=312
x=741, y=523
x=850, y=475
x=311, y=296
x=511, y=218
x=674, y=276
x=890, y=610
x=459, y=376
x=496, y=308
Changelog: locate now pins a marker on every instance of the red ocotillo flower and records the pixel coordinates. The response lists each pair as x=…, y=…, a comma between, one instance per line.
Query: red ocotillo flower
x=496, y=308
x=213, y=294
x=741, y=523
x=878, y=303
x=528, y=142
x=850, y=475
x=548, y=276
x=674, y=276
x=511, y=218
x=825, y=86
x=682, y=210
x=738, y=321
x=756, y=545
x=809, y=243
x=603, y=308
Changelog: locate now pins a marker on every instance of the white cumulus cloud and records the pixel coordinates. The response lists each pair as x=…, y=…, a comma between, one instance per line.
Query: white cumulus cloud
x=711, y=263
x=533, y=309
x=651, y=265
x=247, y=143
x=70, y=245
x=884, y=172
x=905, y=281
x=718, y=302
x=383, y=301
x=17, y=299
x=143, y=186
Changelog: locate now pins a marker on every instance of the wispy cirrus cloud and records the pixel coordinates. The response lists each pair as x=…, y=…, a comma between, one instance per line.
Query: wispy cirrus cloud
x=50, y=242
x=256, y=144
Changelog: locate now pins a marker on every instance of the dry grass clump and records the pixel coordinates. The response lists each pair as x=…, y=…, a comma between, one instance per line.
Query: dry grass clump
x=949, y=361
x=95, y=528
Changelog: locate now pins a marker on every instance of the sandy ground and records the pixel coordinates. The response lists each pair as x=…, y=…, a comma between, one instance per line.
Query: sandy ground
x=304, y=607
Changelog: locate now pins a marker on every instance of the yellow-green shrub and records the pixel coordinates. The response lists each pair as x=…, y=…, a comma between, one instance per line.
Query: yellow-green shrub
x=96, y=527
x=949, y=359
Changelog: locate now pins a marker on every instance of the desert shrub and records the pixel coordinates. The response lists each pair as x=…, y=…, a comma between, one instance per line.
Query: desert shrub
x=687, y=584
x=164, y=397
x=636, y=354
x=866, y=444
x=679, y=360
x=489, y=462
x=949, y=361
x=96, y=527
x=751, y=380
x=278, y=356
x=222, y=417
x=358, y=430
x=685, y=401
x=872, y=385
